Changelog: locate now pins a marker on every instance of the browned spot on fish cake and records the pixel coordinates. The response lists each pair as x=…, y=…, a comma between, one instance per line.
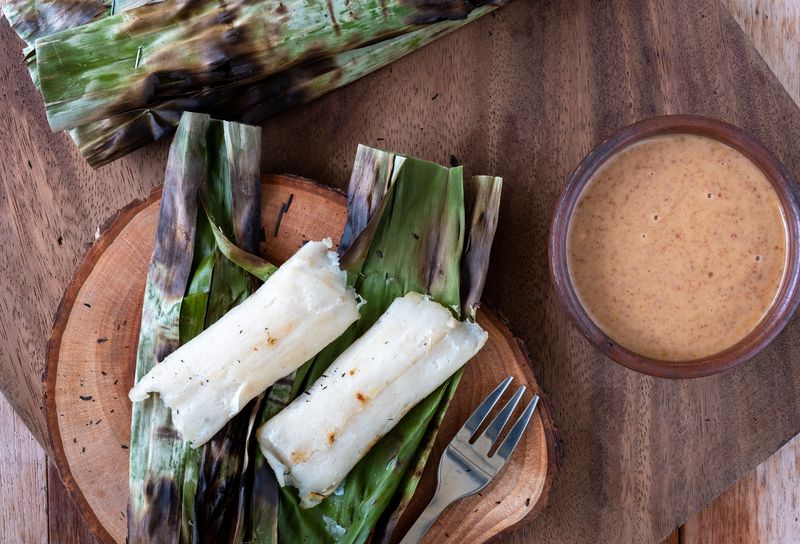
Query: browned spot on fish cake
x=299, y=456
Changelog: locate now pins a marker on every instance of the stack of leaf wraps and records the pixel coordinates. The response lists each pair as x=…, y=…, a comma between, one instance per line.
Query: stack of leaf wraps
x=117, y=74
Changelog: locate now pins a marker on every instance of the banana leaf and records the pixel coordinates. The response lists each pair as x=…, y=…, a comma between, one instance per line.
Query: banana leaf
x=103, y=141
x=32, y=19
x=177, y=49
x=158, y=455
x=405, y=232
x=484, y=192
x=231, y=199
x=180, y=494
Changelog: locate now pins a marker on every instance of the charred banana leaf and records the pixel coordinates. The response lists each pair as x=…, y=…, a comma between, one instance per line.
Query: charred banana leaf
x=158, y=455
x=484, y=194
x=405, y=232
x=101, y=142
x=32, y=19
x=190, y=49
x=179, y=494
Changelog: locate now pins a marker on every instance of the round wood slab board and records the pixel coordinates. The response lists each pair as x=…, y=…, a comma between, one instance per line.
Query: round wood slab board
x=92, y=354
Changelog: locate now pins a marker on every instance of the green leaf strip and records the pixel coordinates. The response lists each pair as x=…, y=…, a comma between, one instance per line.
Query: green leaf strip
x=486, y=191
x=405, y=233
x=157, y=451
x=233, y=162
x=179, y=494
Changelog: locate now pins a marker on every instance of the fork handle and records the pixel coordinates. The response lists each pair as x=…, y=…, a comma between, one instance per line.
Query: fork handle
x=424, y=522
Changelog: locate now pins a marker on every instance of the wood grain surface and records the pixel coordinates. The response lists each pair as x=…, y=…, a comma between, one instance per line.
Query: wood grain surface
x=774, y=28
x=68, y=525
x=673, y=538
x=92, y=356
x=51, y=204
x=526, y=102
x=762, y=508
x=23, y=481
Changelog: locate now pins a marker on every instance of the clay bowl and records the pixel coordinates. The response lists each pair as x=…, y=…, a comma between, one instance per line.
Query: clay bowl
x=787, y=299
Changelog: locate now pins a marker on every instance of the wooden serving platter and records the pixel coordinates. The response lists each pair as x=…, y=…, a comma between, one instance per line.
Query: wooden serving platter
x=92, y=353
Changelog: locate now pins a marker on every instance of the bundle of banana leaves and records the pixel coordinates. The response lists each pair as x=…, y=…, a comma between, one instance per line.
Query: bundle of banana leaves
x=119, y=73
x=210, y=202
x=406, y=232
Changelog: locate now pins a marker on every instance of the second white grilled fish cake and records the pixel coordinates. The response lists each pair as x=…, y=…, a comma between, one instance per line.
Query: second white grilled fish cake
x=410, y=351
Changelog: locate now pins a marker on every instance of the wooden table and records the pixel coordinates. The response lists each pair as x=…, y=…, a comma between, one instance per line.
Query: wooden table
x=51, y=203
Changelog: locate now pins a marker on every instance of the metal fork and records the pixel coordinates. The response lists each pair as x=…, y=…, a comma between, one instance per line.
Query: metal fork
x=466, y=468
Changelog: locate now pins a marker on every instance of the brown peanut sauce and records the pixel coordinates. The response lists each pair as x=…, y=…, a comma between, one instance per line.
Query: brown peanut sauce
x=677, y=247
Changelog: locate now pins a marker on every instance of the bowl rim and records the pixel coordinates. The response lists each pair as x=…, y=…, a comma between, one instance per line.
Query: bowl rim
x=787, y=299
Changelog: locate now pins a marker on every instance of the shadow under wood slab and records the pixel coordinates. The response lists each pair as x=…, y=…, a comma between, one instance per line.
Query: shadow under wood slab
x=525, y=94
x=93, y=351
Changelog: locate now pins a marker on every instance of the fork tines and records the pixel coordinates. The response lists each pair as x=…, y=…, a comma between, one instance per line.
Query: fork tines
x=487, y=439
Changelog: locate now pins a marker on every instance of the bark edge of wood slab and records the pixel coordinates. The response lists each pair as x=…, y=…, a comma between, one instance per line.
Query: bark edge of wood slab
x=92, y=351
